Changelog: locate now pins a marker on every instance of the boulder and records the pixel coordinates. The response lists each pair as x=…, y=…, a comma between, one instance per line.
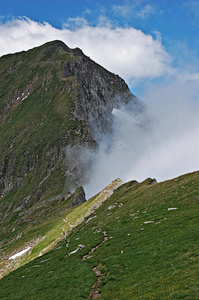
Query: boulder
x=78, y=197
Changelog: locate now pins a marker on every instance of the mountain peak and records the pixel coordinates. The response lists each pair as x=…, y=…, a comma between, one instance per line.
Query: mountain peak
x=49, y=87
x=58, y=44
x=55, y=45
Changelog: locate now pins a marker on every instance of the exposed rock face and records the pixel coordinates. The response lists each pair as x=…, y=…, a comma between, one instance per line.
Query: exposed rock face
x=131, y=183
x=149, y=181
x=99, y=91
x=78, y=197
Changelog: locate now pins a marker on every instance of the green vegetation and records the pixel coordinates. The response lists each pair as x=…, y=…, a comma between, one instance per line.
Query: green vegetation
x=36, y=124
x=34, y=131
x=46, y=223
x=151, y=251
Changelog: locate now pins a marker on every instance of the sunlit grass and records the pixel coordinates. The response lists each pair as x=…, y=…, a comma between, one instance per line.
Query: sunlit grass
x=140, y=260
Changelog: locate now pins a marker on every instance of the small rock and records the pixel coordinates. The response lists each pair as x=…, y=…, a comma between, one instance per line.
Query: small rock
x=111, y=207
x=147, y=222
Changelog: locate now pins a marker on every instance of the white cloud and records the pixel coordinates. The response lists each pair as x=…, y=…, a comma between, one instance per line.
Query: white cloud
x=23, y=34
x=136, y=9
x=122, y=10
x=172, y=143
x=74, y=23
x=125, y=51
x=146, y=11
x=165, y=147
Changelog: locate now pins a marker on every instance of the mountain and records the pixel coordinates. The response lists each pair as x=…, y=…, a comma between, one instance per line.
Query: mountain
x=141, y=243
x=54, y=103
x=51, y=97
x=130, y=241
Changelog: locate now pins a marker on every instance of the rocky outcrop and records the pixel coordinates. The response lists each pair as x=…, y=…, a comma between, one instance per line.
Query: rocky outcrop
x=99, y=91
x=78, y=197
x=149, y=181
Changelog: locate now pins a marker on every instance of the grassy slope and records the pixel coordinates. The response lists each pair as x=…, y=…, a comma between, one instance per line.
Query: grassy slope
x=33, y=134
x=140, y=260
x=38, y=124
x=45, y=231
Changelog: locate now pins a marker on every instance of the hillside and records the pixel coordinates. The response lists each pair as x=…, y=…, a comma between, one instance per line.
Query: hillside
x=142, y=243
x=54, y=101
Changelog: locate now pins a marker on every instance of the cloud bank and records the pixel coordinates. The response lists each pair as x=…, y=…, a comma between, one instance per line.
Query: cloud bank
x=162, y=143
x=125, y=51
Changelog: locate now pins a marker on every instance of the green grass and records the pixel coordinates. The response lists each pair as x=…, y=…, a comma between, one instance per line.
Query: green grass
x=140, y=260
x=34, y=133
x=42, y=227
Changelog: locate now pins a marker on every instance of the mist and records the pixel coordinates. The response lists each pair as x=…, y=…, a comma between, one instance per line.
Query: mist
x=161, y=142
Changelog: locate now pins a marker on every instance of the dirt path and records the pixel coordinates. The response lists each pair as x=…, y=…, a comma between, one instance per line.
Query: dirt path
x=93, y=249
x=94, y=294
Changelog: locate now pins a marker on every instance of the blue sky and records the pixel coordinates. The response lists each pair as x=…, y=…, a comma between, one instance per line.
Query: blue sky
x=174, y=24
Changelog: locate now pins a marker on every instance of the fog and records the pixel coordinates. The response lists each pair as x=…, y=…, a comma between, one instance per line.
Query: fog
x=160, y=143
